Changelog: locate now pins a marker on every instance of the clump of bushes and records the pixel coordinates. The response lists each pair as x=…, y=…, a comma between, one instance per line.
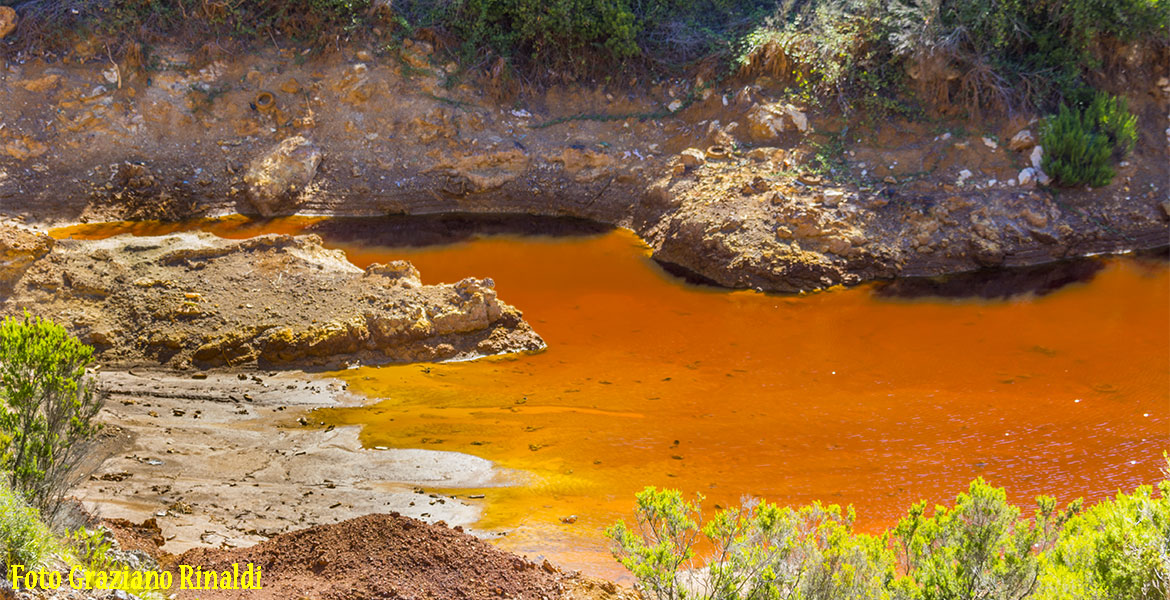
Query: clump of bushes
x=128, y=24
x=24, y=538
x=971, y=55
x=47, y=406
x=981, y=547
x=1081, y=144
x=589, y=36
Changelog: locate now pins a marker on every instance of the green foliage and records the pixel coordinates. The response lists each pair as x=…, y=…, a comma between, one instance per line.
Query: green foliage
x=1116, y=549
x=663, y=542
x=24, y=539
x=757, y=551
x=1110, y=116
x=122, y=21
x=588, y=36
x=1037, y=50
x=91, y=547
x=47, y=405
x=94, y=549
x=841, y=50
x=981, y=547
x=1081, y=144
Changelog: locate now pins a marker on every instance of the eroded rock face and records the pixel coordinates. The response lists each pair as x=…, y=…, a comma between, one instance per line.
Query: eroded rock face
x=19, y=249
x=197, y=300
x=277, y=179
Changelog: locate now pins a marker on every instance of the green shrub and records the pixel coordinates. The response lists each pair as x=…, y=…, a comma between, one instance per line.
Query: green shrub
x=980, y=548
x=757, y=551
x=1119, y=548
x=47, y=405
x=24, y=539
x=1110, y=116
x=1080, y=145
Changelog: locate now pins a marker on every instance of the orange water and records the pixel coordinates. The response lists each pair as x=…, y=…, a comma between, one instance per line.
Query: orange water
x=843, y=396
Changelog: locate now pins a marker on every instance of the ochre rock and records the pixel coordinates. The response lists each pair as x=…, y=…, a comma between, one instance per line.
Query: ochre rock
x=7, y=21
x=19, y=248
x=276, y=180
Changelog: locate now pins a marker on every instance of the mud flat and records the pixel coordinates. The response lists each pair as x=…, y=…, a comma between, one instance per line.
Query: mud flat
x=228, y=461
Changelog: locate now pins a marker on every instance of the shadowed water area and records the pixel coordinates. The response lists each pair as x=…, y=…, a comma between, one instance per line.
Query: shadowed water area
x=1054, y=381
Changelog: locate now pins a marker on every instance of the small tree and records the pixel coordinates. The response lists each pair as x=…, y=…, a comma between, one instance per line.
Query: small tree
x=47, y=406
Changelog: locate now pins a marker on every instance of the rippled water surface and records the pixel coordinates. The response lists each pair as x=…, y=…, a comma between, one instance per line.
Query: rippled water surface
x=849, y=396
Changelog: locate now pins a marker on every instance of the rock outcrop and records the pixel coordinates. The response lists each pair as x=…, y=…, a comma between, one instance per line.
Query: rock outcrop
x=197, y=300
x=277, y=179
x=19, y=249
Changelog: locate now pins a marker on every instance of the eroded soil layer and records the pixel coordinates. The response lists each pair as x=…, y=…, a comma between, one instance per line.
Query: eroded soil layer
x=724, y=188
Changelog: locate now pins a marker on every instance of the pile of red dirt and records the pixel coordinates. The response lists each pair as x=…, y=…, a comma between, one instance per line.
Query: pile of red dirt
x=380, y=556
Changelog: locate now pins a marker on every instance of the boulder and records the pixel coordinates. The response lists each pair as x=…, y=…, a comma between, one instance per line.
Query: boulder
x=1037, y=157
x=692, y=157
x=1027, y=177
x=276, y=180
x=766, y=121
x=1024, y=140
x=7, y=21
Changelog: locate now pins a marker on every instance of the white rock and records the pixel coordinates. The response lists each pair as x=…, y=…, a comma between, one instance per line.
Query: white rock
x=1028, y=177
x=276, y=178
x=692, y=157
x=990, y=143
x=1022, y=141
x=798, y=118
x=832, y=197
x=964, y=175
x=521, y=113
x=1043, y=177
x=674, y=106
x=1037, y=157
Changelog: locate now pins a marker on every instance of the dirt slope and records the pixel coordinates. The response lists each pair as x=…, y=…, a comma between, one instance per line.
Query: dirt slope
x=360, y=133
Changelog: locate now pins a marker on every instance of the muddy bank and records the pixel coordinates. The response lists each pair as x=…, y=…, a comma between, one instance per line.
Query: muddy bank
x=724, y=188
x=323, y=516
x=181, y=447
x=195, y=300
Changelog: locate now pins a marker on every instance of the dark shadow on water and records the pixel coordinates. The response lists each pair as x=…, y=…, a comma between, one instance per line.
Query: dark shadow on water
x=437, y=230
x=1000, y=284
x=687, y=275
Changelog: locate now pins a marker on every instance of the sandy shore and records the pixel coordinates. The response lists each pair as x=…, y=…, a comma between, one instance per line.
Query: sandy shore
x=228, y=461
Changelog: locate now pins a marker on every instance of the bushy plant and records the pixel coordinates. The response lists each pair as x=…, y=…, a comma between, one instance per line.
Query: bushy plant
x=47, y=406
x=24, y=538
x=1110, y=116
x=758, y=550
x=1119, y=548
x=980, y=548
x=1018, y=51
x=834, y=49
x=1080, y=144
